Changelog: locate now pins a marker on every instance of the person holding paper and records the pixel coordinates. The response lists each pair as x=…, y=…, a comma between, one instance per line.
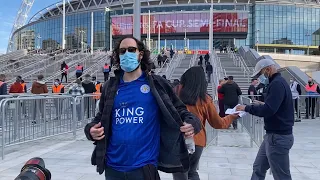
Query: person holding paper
x=278, y=116
x=193, y=93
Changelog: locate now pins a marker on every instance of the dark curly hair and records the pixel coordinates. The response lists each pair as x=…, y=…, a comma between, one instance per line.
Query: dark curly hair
x=145, y=63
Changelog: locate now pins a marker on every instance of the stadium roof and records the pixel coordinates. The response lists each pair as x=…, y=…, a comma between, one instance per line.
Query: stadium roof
x=87, y=5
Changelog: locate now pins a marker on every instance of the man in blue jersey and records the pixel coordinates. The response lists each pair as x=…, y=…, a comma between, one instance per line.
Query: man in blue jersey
x=141, y=124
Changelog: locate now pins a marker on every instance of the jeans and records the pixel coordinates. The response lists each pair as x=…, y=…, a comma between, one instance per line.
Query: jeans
x=295, y=102
x=117, y=175
x=64, y=75
x=209, y=76
x=274, y=154
x=310, y=104
x=221, y=108
x=192, y=174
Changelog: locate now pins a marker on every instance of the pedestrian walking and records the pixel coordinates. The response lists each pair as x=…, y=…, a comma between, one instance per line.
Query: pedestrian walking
x=159, y=59
x=296, y=92
x=64, y=71
x=209, y=70
x=136, y=109
x=206, y=58
x=231, y=92
x=106, y=71
x=278, y=116
x=193, y=93
x=313, y=91
x=79, y=70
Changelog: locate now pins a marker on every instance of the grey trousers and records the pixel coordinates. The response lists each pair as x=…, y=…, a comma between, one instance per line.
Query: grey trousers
x=274, y=154
x=192, y=174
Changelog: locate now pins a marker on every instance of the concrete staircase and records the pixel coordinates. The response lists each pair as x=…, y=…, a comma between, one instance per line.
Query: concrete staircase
x=182, y=67
x=231, y=70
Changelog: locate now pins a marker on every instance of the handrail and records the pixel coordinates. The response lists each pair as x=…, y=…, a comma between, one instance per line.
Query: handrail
x=174, y=65
x=193, y=59
x=165, y=63
x=239, y=62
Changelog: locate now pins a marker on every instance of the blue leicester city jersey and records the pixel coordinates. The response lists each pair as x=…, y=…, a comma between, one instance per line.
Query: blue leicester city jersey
x=135, y=138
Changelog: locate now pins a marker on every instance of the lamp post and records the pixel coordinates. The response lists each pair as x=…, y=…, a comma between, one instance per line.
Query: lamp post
x=64, y=25
x=39, y=41
x=211, y=29
x=185, y=36
x=257, y=41
x=137, y=19
x=158, y=38
x=82, y=32
x=308, y=51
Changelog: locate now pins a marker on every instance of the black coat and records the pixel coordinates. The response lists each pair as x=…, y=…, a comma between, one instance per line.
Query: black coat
x=231, y=92
x=173, y=156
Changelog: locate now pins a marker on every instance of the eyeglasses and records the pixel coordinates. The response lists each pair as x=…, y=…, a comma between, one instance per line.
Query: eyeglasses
x=130, y=49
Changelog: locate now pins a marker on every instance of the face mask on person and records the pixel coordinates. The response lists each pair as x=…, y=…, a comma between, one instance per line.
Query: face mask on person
x=264, y=79
x=56, y=83
x=129, y=61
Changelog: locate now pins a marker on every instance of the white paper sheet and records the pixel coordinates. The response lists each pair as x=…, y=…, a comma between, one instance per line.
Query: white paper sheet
x=233, y=111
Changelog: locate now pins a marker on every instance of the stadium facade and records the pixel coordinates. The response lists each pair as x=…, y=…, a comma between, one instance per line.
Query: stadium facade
x=281, y=26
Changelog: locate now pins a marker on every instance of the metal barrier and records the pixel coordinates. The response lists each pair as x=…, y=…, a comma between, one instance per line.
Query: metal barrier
x=29, y=118
x=307, y=105
x=253, y=125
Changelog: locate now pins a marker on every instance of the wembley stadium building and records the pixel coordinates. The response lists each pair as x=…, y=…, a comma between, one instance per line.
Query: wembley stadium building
x=270, y=25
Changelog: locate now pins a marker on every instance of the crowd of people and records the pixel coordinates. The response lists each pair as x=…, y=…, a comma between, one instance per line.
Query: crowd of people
x=160, y=118
x=144, y=123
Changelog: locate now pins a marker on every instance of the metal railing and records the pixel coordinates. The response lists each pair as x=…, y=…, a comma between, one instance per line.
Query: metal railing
x=193, y=59
x=174, y=64
x=30, y=118
x=239, y=62
x=218, y=73
x=253, y=125
x=96, y=67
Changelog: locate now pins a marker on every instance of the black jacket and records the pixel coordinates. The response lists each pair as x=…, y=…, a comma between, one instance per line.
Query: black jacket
x=278, y=110
x=173, y=156
x=231, y=92
x=89, y=87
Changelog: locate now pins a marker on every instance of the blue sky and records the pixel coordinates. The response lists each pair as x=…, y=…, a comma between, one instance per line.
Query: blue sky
x=8, y=12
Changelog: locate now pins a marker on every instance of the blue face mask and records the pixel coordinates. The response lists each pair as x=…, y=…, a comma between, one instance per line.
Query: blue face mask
x=129, y=61
x=263, y=79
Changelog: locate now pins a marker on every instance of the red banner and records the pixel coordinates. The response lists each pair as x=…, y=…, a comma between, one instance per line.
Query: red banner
x=179, y=23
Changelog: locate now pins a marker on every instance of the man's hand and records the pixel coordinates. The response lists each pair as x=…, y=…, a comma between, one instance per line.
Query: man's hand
x=97, y=132
x=187, y=129
x=240, y=108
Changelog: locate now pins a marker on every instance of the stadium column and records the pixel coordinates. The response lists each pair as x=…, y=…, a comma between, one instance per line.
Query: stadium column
x=211, y=30
x=64, y=25
x=137, y=19
x=91, y=48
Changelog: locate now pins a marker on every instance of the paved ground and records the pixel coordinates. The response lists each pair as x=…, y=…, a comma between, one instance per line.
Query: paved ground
x=232, y=159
